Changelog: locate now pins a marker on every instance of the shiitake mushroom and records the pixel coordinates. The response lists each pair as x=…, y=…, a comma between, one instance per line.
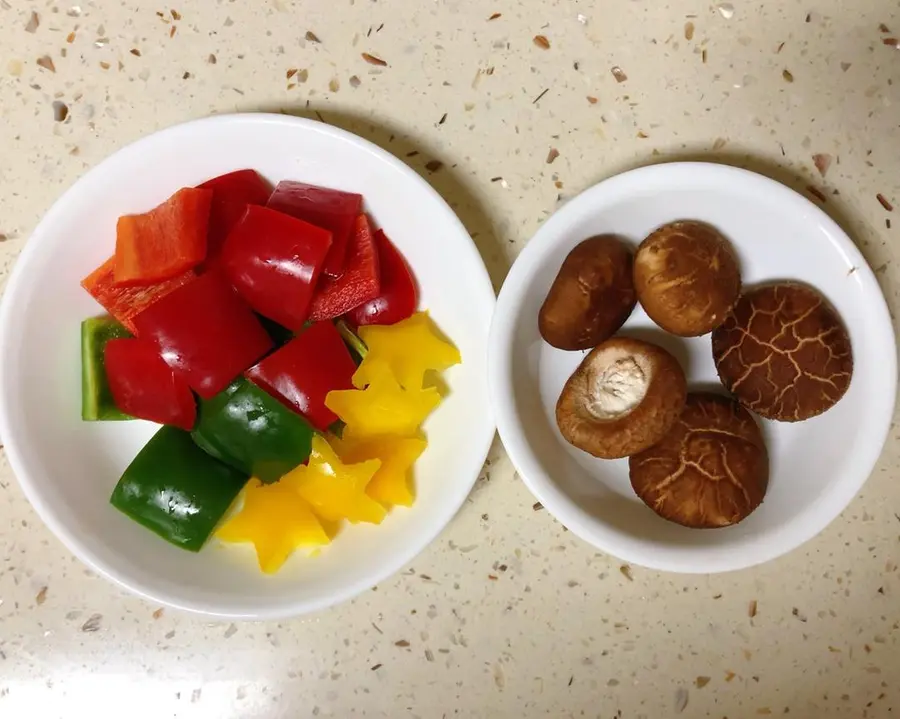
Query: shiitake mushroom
x=591, y=297
x=624, y=397
x=784, y=352
x=687, y=278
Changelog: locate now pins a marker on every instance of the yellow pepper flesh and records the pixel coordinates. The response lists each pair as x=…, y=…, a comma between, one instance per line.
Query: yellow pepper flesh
x=383, y=408
x=391, y=484
x=407, y=349
x=336, y=490
x=276, y=520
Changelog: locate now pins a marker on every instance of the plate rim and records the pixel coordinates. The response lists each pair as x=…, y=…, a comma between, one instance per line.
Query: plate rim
x=500, y=381
x=31, y=251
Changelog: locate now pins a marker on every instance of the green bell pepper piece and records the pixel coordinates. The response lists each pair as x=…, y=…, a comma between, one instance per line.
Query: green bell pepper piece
x=253, y=432
x=176, y=489
x=96, y=398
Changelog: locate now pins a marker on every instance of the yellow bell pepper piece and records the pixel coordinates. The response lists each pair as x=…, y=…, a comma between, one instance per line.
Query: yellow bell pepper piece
x=383, y=408
x=276, y=520
x=391, y=483
x=336, y=490
x=407, y=350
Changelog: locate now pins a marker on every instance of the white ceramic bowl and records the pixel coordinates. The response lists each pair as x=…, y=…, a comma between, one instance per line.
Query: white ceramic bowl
x=67, y=468
x=817, y=466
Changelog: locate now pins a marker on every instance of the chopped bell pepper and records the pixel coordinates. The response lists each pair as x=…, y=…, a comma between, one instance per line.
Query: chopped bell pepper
x=274, y=261
x=407, y=350
x=124, y=303
x=359, y=282
x=382, y=408
x=205, y=332
x=305, y=370
x=336, y=490
x=398, y=296
x=329, y=209
x=144, y=386
x=231, y=195
x=252, y=431
x=177, y=490
x=276, y=520
x=391, y=483
x=165, y=242
x=97, y=401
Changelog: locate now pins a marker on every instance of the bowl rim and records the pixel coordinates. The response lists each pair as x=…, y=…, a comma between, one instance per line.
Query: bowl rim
x=9, y=438
x=791, y=535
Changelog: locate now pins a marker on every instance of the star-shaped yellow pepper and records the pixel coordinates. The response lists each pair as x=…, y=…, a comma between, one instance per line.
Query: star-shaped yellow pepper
x=407, y=350
x=384, y=407
x=391, y=483
x=336, y=490
x=276, y=520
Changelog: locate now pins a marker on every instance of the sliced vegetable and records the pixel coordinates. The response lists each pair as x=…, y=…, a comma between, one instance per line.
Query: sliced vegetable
x=305, y=370
x=398, y=296
x=97, y=401
x=144, y=386
x=124, y=303
x=231, y=195
x=358, y=284
x=274, y=261
x=332, y=210
x=177, y=490
x=406, y=350
x=336, y=490
x=383, y=408
x=165, y=242
x=280, y=335
x=252, y=431
x=391, y=484
x=276, y=520
x=205, y=332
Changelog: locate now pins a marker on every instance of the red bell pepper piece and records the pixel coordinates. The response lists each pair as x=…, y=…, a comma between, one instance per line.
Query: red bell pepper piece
x=305, y=370
x=398, y=297
x=165, y=242
x=274, y=261
x=144, y=386
x=359, y=283
x=332, y=210
x=124, y=303
x=231, y=195
x=205, y=332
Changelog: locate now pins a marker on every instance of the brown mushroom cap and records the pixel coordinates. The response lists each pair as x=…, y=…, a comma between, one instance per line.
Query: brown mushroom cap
x=687, y=278
x=591, y=297
x=712, y=468
x=784, y=352
x=624, y=396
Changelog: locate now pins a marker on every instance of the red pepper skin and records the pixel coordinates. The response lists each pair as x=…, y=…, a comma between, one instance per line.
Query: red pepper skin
x=231, y=195
x=205, y=332
x=331, y=210
x=124, y=303
x=398, y=297
x=359, y=283
x=144, y=386
x=305, y=370
x=165, y=242
x=274, y=261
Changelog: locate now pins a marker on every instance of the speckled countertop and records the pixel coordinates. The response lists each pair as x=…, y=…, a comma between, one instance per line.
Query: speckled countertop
x=507, y=108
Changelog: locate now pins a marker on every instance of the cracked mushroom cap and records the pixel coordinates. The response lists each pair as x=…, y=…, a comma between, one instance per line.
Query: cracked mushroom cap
x=784, y=352
x=624, y=396
x=711, y=470
x=687, y=278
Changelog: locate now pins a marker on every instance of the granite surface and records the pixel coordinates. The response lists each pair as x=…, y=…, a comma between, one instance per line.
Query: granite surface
x=507, y=108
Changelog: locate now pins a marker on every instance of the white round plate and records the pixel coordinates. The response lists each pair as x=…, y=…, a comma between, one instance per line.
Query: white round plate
x=817, y=466
x=68, y=468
